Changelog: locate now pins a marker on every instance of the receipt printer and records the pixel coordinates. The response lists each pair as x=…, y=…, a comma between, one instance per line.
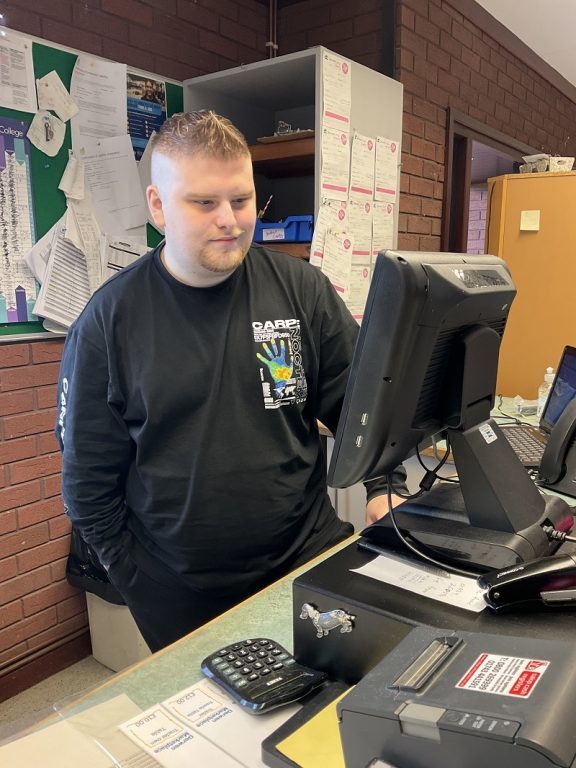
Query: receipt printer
x=445, y=699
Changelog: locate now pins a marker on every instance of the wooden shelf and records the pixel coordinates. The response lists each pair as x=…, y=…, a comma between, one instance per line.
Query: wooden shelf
x=284, y=158
x=301, y=250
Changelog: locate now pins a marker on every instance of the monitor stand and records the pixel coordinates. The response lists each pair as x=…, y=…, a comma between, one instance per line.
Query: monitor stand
x=492, y=519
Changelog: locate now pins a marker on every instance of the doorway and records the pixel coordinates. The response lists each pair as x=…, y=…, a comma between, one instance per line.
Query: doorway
x=474, y=153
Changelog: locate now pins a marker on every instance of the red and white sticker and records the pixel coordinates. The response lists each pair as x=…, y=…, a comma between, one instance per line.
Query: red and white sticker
x=503, y=675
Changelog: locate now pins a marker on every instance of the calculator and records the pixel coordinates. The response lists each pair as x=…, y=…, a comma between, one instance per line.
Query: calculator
x=260, y=674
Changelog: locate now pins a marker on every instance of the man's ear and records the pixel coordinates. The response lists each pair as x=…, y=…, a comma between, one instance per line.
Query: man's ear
x=155, y=206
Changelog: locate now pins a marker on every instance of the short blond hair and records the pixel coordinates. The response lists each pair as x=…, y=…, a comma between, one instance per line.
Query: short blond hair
x=202, y=132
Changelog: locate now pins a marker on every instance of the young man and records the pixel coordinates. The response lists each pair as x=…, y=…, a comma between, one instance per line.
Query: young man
x=189, y=392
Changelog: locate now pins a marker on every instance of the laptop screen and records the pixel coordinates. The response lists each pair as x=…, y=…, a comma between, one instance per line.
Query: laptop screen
x=562, y=390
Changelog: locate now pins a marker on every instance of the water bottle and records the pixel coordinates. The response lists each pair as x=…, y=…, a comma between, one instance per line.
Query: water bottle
x=544, y=389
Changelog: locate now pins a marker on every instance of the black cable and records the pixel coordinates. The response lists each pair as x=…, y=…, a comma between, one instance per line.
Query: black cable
x=415, y=550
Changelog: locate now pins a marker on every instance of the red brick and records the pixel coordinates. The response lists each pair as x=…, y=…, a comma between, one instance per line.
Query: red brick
x=47, y=351
x=58, y=568
x=29, y=423
x=414, y=125
x=438, y=57
x=93, y=20
x=12, y=589
x=423, y=148
x=16, y=402
x=176, y=28
x=424, y=109
x=450, y=45
x=7, y=521
x=440, y=18
x=408, y=242
x=117, y=50
x=406, y=17
x=16, y=496
x=46, y=397
x=437, y=95
x=15, y=450
x=432, y=170
x=45, y=509
x=39, y=466
x=432, y=208
x=61, y=630
x=410, y=204
x=8, y=568
x=29, y=376
x=15, y=651
x=65, y=34
x=217, y=44
x=206, y=18
x=135, y=12
x=14, y=355
x=423, y=187
x=59, y=526
x=51, y=486
x=411, y=164
x=413, y=84
x=23, y=21
x=427, y=30
x=43, y=598
x=431, y=244
x=73, y=606
x=20, y=541
x=448, y=83
x=47, y=443
x=10, y=613
x=153, y=40
x=240, y=33
x=419, y=225
x=45, y=553
x=27, y=628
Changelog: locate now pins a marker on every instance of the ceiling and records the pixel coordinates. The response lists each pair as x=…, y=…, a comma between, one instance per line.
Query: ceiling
x=546, y=26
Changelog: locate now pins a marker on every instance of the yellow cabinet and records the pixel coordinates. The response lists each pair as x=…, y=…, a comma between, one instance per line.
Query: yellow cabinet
x=532, y=226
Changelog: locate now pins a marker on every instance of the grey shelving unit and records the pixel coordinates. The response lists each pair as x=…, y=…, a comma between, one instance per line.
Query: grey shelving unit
x=289, y=88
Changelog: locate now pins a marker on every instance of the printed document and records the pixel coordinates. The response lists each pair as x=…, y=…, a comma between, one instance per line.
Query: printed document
x=362, y=167
x=387, y=169
x=337, y=261
x=335, y=164
x=66, y=286
x=426, y=580
x=331, y=215
x=382, y=228
x=99, y=89
x=112, y=177
x=336, y=91
x=17, y=89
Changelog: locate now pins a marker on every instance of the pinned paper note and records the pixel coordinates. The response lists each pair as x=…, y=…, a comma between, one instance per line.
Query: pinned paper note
x=53, y=95
x=46, y=132
x=72, y=181
x=529, y=221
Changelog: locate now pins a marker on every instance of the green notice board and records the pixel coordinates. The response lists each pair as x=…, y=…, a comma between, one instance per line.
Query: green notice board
x=48, y=202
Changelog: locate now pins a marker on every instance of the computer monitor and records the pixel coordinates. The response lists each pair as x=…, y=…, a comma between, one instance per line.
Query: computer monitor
x=425, y=362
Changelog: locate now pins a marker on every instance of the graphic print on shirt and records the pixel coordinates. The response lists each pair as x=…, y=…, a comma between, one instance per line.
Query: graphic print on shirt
x=279, y=350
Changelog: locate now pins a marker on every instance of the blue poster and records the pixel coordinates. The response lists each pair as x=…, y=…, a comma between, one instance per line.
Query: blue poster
x=146, y=109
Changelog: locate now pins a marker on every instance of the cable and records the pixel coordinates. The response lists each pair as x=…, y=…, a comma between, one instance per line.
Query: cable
x=554, y=535
x=411, y=547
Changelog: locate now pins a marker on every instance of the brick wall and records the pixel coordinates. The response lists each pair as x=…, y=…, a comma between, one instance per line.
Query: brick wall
x=445, y=60
x=174, y=38
x=37, y=606
x=477, y=218
x=352, y=29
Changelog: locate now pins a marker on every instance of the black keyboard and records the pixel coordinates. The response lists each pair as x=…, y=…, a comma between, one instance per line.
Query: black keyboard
x=527, y=446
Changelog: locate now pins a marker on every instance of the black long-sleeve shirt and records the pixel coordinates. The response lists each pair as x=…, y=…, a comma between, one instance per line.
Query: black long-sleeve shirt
x=188, y=418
